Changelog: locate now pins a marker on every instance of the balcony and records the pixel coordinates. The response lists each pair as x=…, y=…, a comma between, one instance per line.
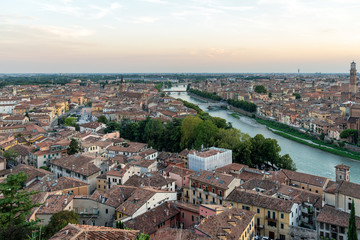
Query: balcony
x=271, y=219
x=199, y=198
x=260, y=226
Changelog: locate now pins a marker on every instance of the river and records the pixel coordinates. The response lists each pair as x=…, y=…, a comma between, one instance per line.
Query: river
x=307, y=159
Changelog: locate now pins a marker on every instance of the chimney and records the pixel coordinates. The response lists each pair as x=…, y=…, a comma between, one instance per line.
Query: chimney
x=154, y=219
x=65, y=201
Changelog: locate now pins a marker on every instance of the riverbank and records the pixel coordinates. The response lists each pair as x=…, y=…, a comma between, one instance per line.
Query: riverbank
x=291, y=133
x=303, y=138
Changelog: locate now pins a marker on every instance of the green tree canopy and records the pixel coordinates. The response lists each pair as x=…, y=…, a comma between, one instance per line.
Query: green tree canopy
x=70, y=121
x=15, y=206
x=102, y=119
x=260, y=89
x=297, y=95
x=187, y=131
x=205, y=133
x=58, y=221
x=351, y=134
x=10, y=155
x=73, y=147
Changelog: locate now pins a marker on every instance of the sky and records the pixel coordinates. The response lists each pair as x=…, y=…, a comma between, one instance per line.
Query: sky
x=242, y=36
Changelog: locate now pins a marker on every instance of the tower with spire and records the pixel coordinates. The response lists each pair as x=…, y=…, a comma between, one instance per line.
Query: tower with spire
x=352, y=86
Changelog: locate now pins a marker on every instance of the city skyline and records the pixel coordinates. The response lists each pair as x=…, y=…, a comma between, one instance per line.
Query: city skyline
x=172, y=36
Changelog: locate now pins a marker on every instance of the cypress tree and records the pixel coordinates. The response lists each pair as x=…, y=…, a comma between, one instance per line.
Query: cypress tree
x=352, y=231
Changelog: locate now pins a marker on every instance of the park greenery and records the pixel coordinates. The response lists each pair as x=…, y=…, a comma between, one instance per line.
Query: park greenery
x=260, y=89
x=15, y=207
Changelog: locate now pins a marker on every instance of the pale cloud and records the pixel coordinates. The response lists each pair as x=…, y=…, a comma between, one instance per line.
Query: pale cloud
x=156, y=1
x=64, y=32
x=68, y=10
x=146, y=20
x=12, y=18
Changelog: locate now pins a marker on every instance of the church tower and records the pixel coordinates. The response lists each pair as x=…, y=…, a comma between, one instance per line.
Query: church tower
x=342, y=173
x=352, y=86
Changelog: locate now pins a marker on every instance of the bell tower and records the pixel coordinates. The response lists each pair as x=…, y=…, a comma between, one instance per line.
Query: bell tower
x=352, y=86
x=342, y=173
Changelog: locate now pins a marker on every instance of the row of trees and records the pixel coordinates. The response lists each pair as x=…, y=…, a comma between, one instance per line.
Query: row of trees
x=195, y=132
x=205, y=94
x=245, y=105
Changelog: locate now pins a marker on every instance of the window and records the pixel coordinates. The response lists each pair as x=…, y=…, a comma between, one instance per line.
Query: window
x=281, y=225
x=273, y=215
x=316, y=191
x=213, y=190
x=258, y=210
x=321, y=225
x=282, y=237
x=220, y=201
x=193, y=192
x=106, y=211
x=349, y=205
x=282, y=216
x=268, y=215
x=258, y=221
x=192, y=217
x=183, y=215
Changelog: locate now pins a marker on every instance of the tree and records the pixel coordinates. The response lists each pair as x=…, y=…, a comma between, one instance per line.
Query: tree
x=205, y=133
x=187, y=131
x=10, y=155
x=260, y=89
x=270, y=95
x=297, y=95
x=351, y=134
x=73, y=147
x=112, y=127
x=70, y=121
x=15, y=206
x=352, y=230
x=58, y=221
x=102, y=119
x=286, y=162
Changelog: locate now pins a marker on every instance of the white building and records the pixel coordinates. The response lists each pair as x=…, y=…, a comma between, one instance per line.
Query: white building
x=209, y=159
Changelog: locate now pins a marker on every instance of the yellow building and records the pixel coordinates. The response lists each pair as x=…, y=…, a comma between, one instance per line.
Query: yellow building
x=273, y=216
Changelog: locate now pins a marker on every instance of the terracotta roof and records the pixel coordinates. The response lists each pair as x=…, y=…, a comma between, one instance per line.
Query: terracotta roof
x=54, y=204
x=115, y=196
x=178, y=170
x=77, y=163
x=256, y=199
x=219, y=180
x=31, y=172
x=178, y=234
x=234, y=220
x=149, y=221
x=329, y=214
x=87, y=232
x=305, y=178
x=137, y=200
x=154, y=179
x=343, y=187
